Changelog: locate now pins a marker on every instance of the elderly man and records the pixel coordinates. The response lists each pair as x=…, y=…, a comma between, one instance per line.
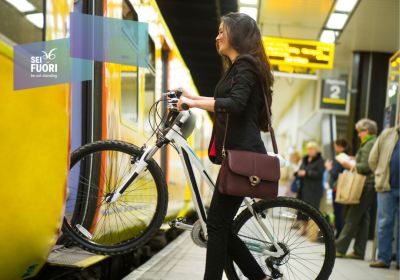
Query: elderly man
x=384, y=161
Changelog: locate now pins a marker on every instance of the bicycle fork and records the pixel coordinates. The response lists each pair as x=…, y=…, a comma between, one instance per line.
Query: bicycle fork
x=140, y=166
x=260, y=248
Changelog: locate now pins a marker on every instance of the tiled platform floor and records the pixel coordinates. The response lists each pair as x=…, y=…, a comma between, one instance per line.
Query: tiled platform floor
x=182, y=260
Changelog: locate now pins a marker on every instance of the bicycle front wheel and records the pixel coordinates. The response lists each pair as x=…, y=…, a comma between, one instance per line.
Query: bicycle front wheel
x=100, y=227
x=306, y=256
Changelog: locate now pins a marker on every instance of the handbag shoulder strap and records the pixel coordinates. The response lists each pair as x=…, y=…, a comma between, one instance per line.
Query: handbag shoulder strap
x=271, y=130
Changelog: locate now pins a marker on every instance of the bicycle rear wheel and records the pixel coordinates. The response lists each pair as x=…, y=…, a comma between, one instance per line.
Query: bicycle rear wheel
x=310, y=256
x=105, y=228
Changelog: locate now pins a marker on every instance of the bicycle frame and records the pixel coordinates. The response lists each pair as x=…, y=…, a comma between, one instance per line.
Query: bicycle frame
x=189, y=159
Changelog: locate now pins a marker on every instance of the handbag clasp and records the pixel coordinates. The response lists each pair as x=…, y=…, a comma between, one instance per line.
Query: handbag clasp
x=254, y=180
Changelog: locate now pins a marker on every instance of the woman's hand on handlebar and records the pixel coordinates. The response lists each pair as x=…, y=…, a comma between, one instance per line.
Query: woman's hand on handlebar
x=185, y=93
x=184, y=100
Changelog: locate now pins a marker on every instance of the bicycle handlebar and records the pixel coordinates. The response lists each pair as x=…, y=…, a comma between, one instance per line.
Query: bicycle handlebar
x=173, y=94
x=174, y=97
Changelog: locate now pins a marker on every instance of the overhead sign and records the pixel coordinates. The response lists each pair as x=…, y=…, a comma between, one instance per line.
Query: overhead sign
x=294, y=69
x=334, y=94
x=305, y=53
x=389, y=117
x=393, y=82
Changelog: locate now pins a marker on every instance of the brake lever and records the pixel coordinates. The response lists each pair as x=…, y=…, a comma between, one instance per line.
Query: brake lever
x=179, y=93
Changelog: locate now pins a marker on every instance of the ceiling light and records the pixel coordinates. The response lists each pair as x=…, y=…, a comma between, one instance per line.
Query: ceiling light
x=336, y=21
x=22, y=5
x=345, y=5
x=250, y=2
x=327, y=36
x=250, y=11
x=36, y=19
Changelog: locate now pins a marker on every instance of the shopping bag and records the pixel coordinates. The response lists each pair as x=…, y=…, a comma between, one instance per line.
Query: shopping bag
x=349, y=187
x=295, y=186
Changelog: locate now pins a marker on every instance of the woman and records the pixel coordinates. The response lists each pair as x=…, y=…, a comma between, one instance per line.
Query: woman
x=295, y=164
x=357, y=217
x=341, y=146
x=239, y=93
x=297, y=160
x=311, y=172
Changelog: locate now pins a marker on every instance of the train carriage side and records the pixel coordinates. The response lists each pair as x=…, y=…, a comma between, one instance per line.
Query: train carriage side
x=114, y=105
x=35, y=144
x=127, y=95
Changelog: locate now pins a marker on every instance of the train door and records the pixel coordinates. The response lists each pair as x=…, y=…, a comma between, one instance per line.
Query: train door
x=86, y=117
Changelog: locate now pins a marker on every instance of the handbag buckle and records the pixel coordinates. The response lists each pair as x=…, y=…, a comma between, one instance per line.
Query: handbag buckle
x=223, y=152
x=254, y=180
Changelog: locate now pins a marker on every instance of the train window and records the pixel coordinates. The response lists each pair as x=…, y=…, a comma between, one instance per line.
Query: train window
x=22, y=21
x=152, y=54
x=149, y=88
x=129, y=95
x=129, y=77
x=128, y=12
x=198, y=135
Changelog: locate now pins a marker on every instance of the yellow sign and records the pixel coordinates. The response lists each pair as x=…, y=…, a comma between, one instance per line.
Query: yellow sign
x=305, y=53
x=295, y=69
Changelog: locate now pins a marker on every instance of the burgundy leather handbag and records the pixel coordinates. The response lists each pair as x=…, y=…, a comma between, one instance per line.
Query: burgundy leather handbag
x=245, y=173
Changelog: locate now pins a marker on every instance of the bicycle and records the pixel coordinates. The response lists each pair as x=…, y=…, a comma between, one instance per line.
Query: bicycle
x=119, y=192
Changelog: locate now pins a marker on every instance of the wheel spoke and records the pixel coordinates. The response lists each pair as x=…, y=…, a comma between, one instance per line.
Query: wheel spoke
x=96, y=172
x=302, y=259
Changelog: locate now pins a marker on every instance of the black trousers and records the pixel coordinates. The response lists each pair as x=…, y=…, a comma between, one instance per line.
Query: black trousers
x=222, y=241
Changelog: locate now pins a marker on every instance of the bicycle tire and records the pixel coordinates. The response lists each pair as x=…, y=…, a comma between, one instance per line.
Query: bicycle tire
x=153, y=169
x=266, y=204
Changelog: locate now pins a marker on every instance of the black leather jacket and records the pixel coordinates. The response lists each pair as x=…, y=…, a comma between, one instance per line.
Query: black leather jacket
x=242, y=99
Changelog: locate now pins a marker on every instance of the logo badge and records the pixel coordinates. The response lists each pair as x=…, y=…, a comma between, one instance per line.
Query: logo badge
x=49, y=56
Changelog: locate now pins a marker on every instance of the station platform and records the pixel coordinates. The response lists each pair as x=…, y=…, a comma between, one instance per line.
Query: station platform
x=182, y=260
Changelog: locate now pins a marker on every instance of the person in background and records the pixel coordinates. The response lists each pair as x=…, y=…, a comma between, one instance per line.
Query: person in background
x=297, y=159
x=342, y=145
x=311, y=174
x=357, y=217
x=384, y=161
x=295, y=164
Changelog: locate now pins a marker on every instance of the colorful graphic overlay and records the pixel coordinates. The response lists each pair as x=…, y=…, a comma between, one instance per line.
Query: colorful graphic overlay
x=93, y=38
x=48, y=63
x=110, y=40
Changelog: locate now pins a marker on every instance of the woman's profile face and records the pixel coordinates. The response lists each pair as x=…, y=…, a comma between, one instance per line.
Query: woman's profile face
x=222, y=40
x=363, y=133
x=338, y=148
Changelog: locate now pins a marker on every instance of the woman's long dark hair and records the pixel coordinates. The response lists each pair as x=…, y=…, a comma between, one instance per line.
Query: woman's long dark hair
x=244, y=36
x=345, y=144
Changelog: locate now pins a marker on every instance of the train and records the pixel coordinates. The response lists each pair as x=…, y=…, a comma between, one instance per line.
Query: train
x=43, y=126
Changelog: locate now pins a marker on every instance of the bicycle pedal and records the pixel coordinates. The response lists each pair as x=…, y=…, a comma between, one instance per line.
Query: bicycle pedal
x=180, y=223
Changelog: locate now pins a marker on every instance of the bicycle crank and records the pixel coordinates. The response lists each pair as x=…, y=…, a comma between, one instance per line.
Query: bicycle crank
x=180, y=223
